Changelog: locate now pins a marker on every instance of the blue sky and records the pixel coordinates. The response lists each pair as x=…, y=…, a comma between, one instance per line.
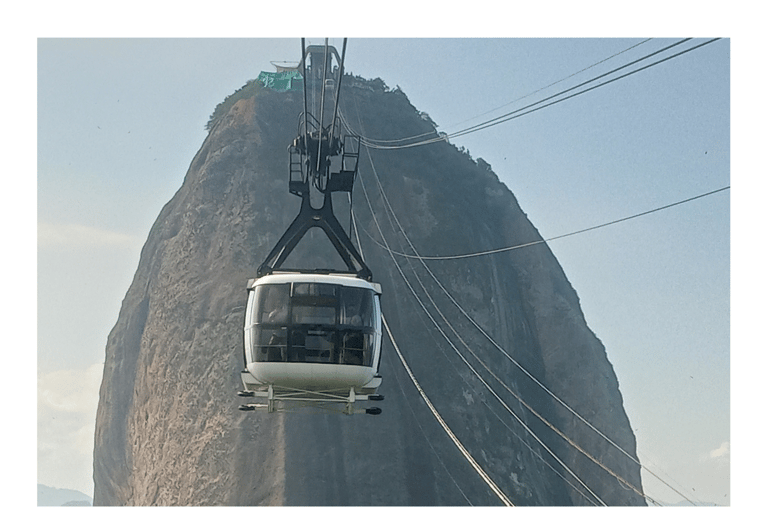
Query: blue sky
x=120, y=120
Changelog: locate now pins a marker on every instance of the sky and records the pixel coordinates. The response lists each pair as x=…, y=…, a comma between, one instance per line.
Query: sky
x=119, y=121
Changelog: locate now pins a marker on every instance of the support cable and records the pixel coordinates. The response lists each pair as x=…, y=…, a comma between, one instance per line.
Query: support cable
x=615, y=70
x=399, y=385
x=542, y=386
x=447, y=338
x=561, y=80
x=478, y=469
x=510, y=116
x=338, y=89
x=536, y=453
x=543, y=241
x=445, y=426
x=499, y=120
x=557, y=431
x=488, y=387
x=501, y=382
x=501, y=420
x=322, y=109
x=437, y=326
x=458, y=306
x=304, y=81
x=517, y=99
x=390, y=210
x=506, y=117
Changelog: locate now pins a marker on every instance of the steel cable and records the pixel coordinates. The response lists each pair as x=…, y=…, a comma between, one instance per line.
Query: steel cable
x=524, y=110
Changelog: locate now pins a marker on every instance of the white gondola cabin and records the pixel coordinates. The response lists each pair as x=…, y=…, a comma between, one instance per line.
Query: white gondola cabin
x=312, y=337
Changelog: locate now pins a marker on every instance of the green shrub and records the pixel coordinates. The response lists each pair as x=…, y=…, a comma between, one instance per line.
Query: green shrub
x=251, y=88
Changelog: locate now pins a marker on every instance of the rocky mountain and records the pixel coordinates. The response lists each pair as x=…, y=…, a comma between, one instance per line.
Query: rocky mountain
x=168, y=428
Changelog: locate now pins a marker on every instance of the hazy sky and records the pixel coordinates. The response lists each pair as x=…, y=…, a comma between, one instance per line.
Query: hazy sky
x=119, y=121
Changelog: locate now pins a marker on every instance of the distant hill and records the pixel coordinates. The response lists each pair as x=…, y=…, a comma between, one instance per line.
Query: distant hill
x=53, y=497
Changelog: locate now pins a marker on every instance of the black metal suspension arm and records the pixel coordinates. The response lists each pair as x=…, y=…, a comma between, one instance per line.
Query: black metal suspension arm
x=310, y=217
x=317, y=156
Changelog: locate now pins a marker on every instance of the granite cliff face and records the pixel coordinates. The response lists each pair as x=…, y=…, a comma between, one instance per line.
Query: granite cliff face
x=168, y=430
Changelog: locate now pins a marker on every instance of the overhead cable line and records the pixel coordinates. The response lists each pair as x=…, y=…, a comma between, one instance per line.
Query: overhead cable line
x=468, y=456
x=619, y=478
x=557, y=431
x=632, y=458
x=461, y=356
x=635, y=460
x=558, y=81
x=353, y=225
x=558, y=399
x=495, y=488
x=426, y=437
x=562, y=235
x=322, y=107
x=390, y=212
x=488, y=387
x=492, y=122
x=543, y=241
x=517, y=99
x=447, y=338
x=338, y=88
x=485, y=403
x=505, y=118
x=524, y=110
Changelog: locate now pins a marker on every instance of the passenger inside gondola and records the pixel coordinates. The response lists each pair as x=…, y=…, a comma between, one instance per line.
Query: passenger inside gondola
x=277, y=346
x=352, y=352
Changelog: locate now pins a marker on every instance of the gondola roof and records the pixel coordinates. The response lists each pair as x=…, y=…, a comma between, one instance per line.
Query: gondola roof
x=342, y=279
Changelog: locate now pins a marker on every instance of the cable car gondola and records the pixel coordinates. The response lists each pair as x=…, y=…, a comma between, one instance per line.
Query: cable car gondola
x=313, y=337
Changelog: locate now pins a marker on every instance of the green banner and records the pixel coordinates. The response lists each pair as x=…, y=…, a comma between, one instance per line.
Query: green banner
x=285, y=81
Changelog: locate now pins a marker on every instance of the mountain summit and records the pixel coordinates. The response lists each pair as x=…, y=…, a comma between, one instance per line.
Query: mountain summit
x=168, y=428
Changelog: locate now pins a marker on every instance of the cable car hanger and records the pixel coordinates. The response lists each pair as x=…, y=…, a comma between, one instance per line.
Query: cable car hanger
x=309, y=169
x=312, y=337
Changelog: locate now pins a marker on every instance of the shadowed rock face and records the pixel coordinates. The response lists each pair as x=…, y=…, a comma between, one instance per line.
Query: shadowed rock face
x=168, y=431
